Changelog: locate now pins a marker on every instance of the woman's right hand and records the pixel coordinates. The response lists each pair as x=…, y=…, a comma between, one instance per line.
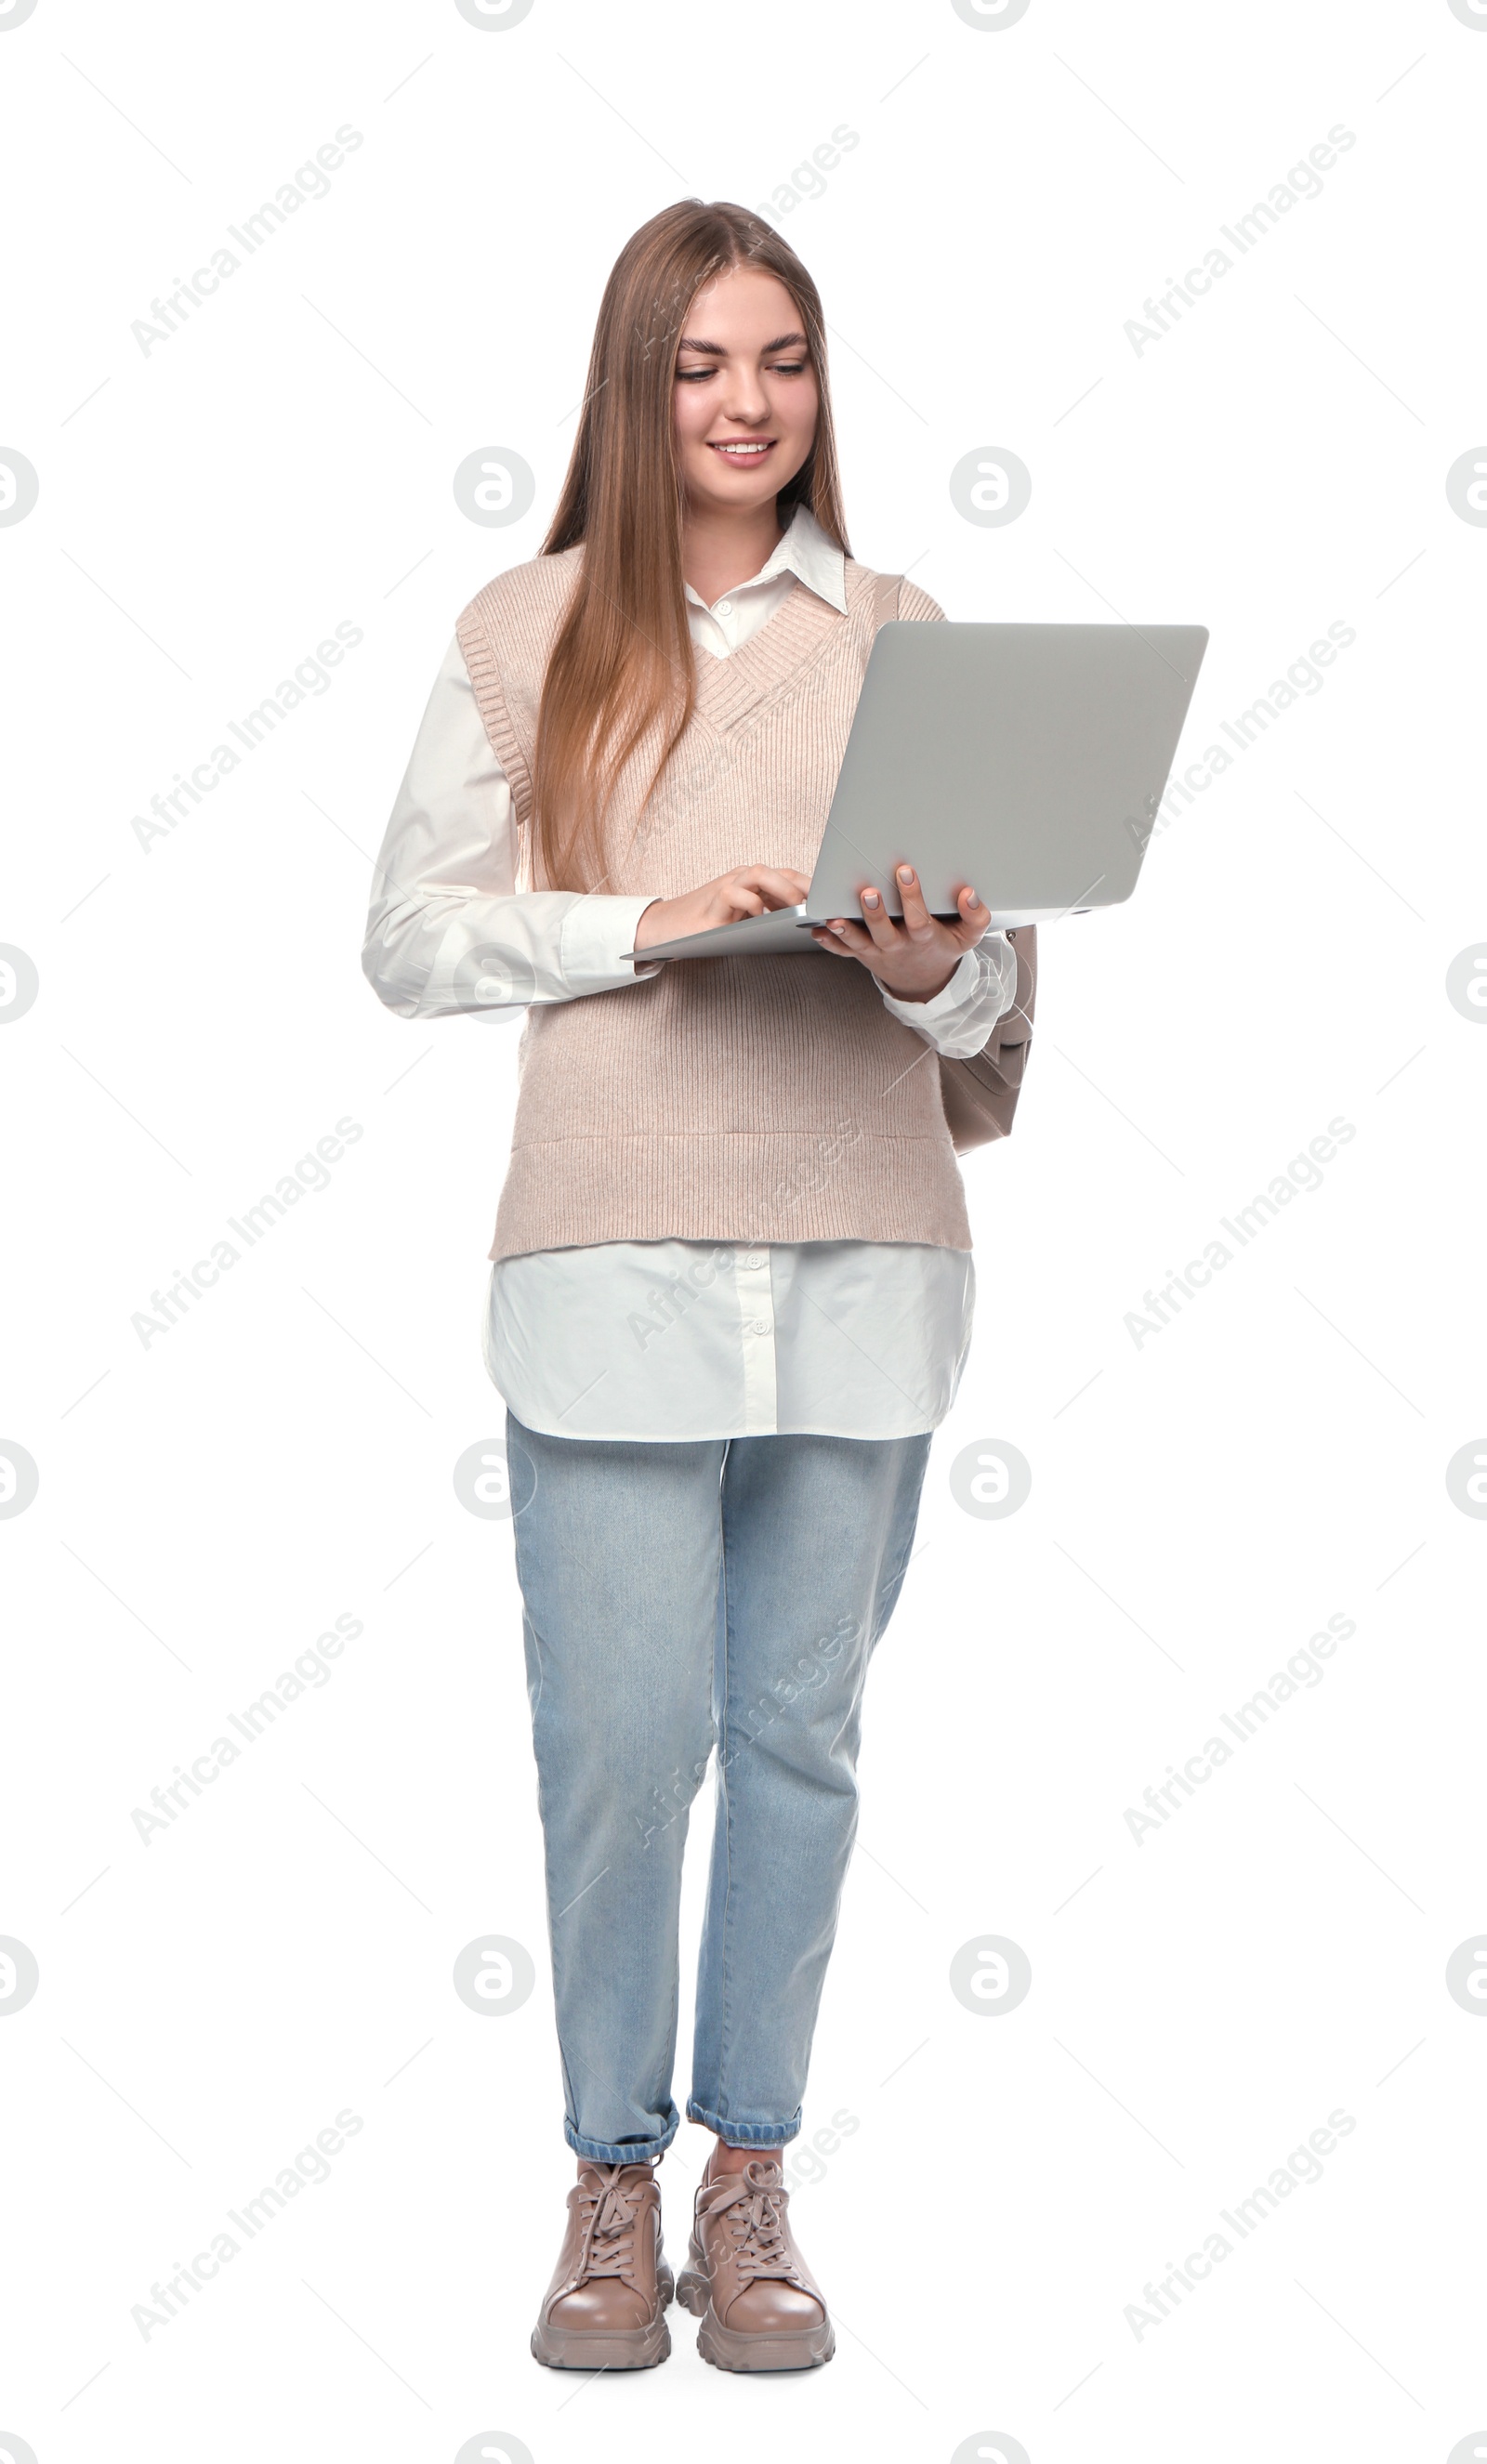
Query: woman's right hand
x=746, y=891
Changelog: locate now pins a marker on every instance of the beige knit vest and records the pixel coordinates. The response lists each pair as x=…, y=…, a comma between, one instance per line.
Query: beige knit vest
x=721, y=1099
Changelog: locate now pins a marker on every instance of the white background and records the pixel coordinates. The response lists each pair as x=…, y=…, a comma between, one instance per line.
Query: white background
x=1200, y=1505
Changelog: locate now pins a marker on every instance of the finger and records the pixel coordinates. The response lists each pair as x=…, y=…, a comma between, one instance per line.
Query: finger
x=971, y=921
x=917, y=916
x=847, y=940
x=854, y=938
x=975, y=918
x=879, y=923
x=781, y=884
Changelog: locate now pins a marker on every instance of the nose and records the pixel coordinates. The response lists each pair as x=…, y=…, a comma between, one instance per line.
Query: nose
x=743, y=399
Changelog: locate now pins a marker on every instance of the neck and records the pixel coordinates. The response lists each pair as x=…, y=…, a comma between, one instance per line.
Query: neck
x=723, y=546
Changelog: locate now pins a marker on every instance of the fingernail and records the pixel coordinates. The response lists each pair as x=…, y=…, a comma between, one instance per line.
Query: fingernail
x=905, y=872
x=870, y=898
x=974, y=900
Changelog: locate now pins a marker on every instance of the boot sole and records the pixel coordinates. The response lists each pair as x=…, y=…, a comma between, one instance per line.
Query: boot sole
x=628, y=2348
x=729, y=2350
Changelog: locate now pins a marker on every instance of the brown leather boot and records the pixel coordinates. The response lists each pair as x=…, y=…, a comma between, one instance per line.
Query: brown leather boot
x=759, y=2305
x=605, y=2308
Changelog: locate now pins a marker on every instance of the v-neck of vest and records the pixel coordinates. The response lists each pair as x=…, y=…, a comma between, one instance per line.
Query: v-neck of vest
x=795, y=637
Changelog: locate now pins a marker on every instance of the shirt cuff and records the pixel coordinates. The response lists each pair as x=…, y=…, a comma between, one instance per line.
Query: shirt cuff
x=596, y=932
x=961, y=1018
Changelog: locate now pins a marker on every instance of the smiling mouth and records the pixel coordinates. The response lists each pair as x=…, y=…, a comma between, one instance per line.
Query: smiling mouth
x=738, y=448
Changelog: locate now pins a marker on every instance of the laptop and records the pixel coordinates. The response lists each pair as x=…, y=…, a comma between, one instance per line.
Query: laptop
x=1027, y=759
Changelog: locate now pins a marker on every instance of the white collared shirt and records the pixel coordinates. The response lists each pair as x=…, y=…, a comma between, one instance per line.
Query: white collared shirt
x=665, y=1339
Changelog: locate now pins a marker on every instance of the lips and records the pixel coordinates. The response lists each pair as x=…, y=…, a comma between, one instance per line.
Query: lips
x=738, y=448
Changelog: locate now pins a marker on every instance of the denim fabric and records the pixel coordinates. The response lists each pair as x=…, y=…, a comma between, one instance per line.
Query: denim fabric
x=681, y=1598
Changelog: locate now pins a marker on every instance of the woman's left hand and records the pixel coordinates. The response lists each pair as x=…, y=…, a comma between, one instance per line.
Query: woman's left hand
x=915, y=959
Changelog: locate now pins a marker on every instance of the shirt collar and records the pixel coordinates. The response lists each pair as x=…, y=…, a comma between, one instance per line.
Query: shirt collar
x=805, y=551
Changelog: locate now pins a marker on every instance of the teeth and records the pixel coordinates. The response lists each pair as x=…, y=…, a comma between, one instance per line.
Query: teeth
x=742, y=449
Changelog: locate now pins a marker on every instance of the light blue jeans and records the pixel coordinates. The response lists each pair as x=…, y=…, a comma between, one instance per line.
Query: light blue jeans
x=726, y=1593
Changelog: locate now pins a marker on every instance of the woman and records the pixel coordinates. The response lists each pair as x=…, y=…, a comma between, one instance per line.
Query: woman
x=731, y=1288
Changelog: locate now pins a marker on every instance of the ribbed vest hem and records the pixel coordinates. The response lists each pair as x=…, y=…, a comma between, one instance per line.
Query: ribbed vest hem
x=732, y=1186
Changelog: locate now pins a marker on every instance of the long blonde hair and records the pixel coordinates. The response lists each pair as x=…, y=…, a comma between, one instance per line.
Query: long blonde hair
x=623, y=657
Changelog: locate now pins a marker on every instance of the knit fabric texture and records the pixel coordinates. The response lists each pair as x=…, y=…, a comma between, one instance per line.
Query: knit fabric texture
x=723, y=1099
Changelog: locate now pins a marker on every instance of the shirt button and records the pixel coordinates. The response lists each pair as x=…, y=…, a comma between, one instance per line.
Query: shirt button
x=761, y=1325
x=753, y=1263
x=725, y=607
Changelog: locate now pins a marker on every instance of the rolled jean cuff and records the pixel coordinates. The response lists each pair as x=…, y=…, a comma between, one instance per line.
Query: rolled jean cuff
x=626, y=2152
x=744, y=2134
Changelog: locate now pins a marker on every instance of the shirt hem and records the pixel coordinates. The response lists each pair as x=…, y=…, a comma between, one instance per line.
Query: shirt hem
x=710, y=1436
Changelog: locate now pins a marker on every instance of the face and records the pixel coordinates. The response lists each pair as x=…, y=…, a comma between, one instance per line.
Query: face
x=744, y=380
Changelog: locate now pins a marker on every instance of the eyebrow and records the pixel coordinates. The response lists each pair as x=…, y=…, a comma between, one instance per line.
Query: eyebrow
x=717, y=350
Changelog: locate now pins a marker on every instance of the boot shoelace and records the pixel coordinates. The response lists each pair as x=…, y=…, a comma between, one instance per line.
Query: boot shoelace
x=608, y=2243
x=756, y=2220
